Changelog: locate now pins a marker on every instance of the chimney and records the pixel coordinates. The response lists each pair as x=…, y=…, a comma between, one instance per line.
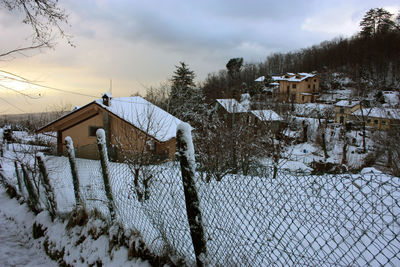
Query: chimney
x=107, y=99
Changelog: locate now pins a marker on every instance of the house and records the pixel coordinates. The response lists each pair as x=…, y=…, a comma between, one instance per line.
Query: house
x=132, y=124
x=378, y=118
x=298, y=88
x=231, y=111
x=265, y=118
x=344, y=110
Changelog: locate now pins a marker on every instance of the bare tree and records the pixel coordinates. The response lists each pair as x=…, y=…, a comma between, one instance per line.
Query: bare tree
x=45, y=18
x=137, y=145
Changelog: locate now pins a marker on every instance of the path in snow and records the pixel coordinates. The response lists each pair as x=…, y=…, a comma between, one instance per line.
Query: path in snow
x=16, y=248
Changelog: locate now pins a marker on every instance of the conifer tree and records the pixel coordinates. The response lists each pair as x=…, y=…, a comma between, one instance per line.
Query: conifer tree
x=184, y=96
x=376, y=21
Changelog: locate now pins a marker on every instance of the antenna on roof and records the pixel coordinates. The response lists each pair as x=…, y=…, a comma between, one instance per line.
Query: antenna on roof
x=110, y=86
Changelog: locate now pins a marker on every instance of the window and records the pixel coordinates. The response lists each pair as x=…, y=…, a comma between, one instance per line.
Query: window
x=302, y=98
x=315, y=80
x=309, y=86
x=294, y=86
x=383, y=122
x=313, y=87
x=341, y=110
x=92, y=130
x=369, y=121
x=376, y=121
x=341, y=119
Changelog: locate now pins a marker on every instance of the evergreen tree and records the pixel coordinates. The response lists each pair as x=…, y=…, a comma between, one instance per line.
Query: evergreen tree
x=376, y=21
x=184, y=97
x=234, y=66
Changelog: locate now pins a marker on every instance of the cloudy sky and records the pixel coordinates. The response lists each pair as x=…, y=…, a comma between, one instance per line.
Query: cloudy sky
x=137, y=43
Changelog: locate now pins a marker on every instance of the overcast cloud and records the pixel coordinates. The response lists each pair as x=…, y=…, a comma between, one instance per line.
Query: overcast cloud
x=137, y=43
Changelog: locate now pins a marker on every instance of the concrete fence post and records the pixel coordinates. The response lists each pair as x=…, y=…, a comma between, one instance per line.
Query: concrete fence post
x=74, y=170
x=102, y=146
x=51, y=201
x=19, y=180
x=33, y=198
x=187, y=161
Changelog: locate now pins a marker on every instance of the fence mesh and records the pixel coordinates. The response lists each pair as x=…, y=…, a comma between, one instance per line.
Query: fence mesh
x=249, y=220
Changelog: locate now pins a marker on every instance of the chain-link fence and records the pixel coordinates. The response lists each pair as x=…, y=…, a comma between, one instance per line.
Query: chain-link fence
x=249, y=220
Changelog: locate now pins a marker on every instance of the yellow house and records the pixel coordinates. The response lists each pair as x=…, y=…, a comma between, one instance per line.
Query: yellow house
x=344, y=110
x=298, y=87
x=132, y=125
x=379, y=118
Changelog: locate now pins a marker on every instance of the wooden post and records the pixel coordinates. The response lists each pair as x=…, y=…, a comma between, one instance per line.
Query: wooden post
x=102, y=146
x=59, y=143
x=33, y=198
x=51, y=201
x=186, y=157
x=74, y=170
x=19, y=180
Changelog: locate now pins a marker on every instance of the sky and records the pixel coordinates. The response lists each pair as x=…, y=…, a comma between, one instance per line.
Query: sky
x=137, y=44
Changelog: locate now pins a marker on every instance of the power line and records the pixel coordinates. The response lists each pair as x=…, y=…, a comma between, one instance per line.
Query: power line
x=12, y=105
x=23, y=80
x=18, y=92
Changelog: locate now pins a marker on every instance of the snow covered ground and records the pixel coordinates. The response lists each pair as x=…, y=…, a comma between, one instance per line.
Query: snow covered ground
x=17, y=247
x=294, y=219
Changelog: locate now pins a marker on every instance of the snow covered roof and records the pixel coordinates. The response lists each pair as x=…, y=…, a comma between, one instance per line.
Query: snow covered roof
x=260, y=79
x=383, y=113
x=347, y=103
x=291, y=77
x=144, y=115
x=391, y=98
x=232, y=106
x=266, y=115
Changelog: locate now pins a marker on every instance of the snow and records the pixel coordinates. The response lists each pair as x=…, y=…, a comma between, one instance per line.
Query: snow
x=293, y=77
x=260, y=79
x=266, y=115
x=232, y=106
x=347, y=103
x=391, y=98
x=266, y=220
x=17, y=247
x=384, y=113
x=187, y=138
x=69, y=144
x=313, y=110
x=101, y=136
x=144, y=115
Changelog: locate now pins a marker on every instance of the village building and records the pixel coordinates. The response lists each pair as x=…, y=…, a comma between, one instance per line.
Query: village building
x=298, y=87
x=344, y=110
x=230, y=110
x=378, y=118
x=261, y=119
x=132, y=125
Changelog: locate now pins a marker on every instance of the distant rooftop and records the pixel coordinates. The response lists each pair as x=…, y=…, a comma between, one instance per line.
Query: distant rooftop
x=292, y=77
x=383, y=113
x=347, y=103
x=232, y=106
x=266, y=115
